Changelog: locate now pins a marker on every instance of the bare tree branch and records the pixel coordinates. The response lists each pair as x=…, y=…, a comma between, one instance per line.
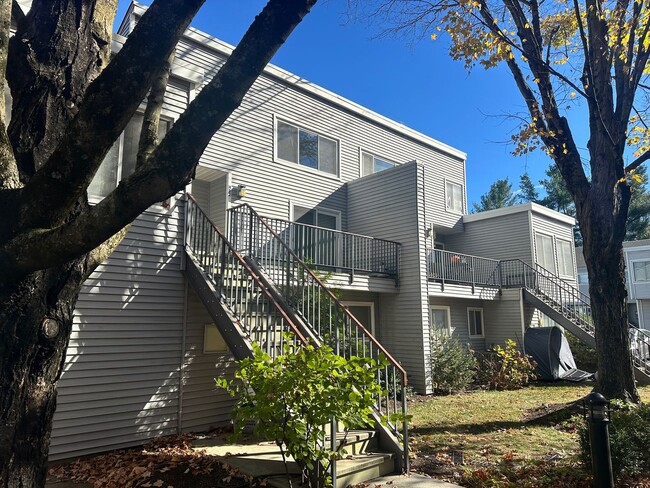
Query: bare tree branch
x=172, y=163
x=638, y=162
x=8, y=169
x=110, y=102
x=151, y=120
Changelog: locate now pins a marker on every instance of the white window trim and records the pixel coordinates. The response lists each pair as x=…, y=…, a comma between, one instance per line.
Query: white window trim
x=462, y=199
x=374, y=155
x=291, y=164
x=573, y=273
x=347, y=303
x=634, y=280
x=555, y=270
x=469, y=331
x=445, y=308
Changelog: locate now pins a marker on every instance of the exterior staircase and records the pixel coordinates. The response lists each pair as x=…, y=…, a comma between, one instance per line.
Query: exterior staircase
x=570, y=308
x=257, y=290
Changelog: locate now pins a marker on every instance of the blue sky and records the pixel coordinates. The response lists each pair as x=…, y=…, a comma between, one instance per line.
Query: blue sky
x=417, y=84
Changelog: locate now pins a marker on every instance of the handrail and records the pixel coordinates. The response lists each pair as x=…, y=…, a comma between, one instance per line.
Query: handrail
x=327, y=290
x=210, y=253
x=306, y=293
x=335, y=249
x=448, y=266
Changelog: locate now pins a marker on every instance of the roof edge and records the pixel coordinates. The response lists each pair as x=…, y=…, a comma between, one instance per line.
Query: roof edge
x=524, y=207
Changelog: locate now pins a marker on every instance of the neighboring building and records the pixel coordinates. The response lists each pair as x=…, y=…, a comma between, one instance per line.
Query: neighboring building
x=377, y=206
x=637, y=277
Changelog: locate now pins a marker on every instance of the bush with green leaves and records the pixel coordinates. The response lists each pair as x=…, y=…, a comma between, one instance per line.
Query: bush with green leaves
x=506, y=368
x=293, y=397
x=453, y=365
x=629, y=438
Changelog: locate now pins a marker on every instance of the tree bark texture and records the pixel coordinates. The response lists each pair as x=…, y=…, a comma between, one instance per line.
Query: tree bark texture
x=67, y=112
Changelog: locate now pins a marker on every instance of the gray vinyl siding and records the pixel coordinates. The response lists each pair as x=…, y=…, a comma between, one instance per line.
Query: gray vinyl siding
x=244, y=147
x=201, y=192
x=203, y=406
x=389, y=205
x=641, y=289
x=120, y=381
x=436, y=175
x=501, y=237
x=219, y=192
x=503, y=319
x=643, y=307
x=557, y=230
x=459, y=320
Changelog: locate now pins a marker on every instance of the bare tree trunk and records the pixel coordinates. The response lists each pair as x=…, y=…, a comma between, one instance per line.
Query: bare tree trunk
x=35, y=324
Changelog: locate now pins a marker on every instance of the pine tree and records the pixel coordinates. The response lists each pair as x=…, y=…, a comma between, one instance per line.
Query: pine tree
x=498, y=196
x=527, y=191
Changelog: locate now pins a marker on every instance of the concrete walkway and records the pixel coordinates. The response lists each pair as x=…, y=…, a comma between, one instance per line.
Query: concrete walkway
x=262, y=459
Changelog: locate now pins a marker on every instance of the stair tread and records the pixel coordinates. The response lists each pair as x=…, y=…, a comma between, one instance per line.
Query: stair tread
x=359, y=462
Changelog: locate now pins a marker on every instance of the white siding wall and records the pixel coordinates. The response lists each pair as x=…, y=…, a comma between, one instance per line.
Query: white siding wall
x=501, y=237
x=204, y=406
x=120, y=381
x=503, y=319
x=389, y=205
x=459, y=320
x=244, y=147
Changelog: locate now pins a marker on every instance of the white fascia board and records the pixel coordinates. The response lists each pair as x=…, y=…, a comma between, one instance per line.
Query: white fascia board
x=524, y=207
x=180, y=68
x=299, y=83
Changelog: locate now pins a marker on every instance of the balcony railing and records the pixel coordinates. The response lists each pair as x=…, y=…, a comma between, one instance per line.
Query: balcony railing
x=453, y=267
x=323, y=248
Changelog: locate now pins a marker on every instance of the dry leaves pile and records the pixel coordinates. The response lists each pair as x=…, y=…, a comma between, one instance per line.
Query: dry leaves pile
x=168, y=462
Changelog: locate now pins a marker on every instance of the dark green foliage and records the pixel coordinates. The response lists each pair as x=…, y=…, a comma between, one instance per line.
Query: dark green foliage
x=584, y=356
x=498, y=196
x=527, y=190
x=506, y=368
x=629, y=434
x=293, y=397
x=453, y=366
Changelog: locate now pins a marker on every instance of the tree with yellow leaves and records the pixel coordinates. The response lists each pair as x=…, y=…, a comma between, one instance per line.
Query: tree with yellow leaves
x=559, y=51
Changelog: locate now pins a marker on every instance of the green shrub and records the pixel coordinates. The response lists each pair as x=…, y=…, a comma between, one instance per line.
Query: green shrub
x=506, y=368
x=629, y=438
x=584, y=356
x=294, y=396
x=453, y=366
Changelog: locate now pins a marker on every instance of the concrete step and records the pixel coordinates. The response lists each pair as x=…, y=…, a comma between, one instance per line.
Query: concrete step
x=363, y=467
x=356, y=441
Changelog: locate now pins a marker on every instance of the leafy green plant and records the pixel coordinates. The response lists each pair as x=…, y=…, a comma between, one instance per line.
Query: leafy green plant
x=506, y=368
x=294, y=396
x=629, y=438
x=453, y=366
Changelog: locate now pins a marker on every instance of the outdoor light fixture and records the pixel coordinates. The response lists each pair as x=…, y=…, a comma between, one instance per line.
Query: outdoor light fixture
x=50, y=328
x=241, y=191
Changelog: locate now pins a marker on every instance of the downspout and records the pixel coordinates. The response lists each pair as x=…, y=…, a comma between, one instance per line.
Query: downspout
x=181, y=369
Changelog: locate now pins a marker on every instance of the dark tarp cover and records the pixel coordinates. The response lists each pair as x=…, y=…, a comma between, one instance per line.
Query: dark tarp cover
x=550, y=350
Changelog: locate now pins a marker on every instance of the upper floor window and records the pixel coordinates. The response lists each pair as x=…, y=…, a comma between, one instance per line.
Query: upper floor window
x=641, y=270
x=307, y=148
x=120, y=160
x=454, y=195
x=544, y=249
x=372, y=164
x=564, y=257
x=583, y=278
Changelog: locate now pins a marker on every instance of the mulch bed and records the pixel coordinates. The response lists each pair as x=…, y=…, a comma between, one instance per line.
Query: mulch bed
x=168, y=462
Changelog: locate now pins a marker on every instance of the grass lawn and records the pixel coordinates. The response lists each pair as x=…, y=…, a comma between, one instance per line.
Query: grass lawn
x=497, y=438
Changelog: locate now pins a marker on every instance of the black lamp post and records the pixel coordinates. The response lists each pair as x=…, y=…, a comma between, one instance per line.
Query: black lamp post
x=597, y=413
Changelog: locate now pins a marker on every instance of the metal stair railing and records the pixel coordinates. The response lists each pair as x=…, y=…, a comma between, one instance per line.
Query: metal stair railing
x=321, y=310
x=570, y=302
x=453, y=267
x=259, y=316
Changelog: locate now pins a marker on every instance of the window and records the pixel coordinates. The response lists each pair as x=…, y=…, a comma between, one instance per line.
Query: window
x=583, y=278
x=372, y=164
x=315, y=242
x=440, y=321
x=213, y=341
x=121, y=158
x=364, y=312
x=641, y=270
x=564, y=257
x=307, y=148
x=454, y=194
x=475, y=322
x=544, y=249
